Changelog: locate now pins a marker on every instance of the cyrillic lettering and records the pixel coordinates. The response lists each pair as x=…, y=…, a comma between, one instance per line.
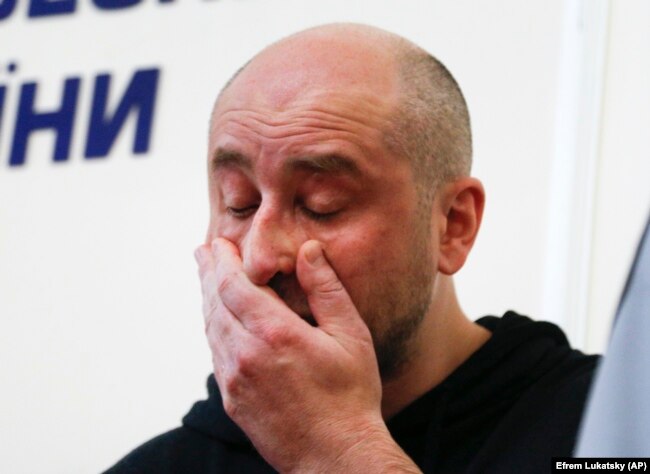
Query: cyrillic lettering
x=115, y=4
x=2, y=105
x=51, y=7
x=6, y=8
x=140, y=96
x=60, y=121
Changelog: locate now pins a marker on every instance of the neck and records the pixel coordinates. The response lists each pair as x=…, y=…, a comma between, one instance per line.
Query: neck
x=445, y=340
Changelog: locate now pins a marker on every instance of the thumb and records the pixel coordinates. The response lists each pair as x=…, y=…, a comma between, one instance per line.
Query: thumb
x=328, y=299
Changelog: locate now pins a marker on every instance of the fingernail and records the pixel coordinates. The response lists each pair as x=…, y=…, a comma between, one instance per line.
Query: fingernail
x=314, y=254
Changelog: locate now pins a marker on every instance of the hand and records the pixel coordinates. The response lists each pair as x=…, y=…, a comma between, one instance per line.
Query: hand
x=308, y=397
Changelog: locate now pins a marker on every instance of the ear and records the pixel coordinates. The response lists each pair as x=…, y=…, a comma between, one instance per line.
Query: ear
x=460, y=209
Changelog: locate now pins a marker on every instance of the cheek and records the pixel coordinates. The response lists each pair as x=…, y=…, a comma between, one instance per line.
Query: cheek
x=376, y=254
x=357, y=258
x=229, y=229
x=222, y=226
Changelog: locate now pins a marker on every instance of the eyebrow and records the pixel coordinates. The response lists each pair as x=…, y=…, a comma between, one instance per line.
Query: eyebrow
x=330, y=163
x=226, y=158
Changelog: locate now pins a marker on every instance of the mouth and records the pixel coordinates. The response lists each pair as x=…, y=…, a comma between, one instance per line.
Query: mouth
x=289, y=291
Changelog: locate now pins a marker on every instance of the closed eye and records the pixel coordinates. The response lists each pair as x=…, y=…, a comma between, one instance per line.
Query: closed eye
x=318, y=216
x=242, y=212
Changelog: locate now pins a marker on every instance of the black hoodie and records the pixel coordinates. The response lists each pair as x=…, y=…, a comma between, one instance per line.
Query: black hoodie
x=514, y=404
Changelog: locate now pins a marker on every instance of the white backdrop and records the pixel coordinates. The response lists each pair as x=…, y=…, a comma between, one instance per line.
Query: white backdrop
x=102, y=336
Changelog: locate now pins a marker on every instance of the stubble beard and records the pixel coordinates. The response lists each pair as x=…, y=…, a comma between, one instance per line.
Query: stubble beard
x=393, y=309
x=395, y=322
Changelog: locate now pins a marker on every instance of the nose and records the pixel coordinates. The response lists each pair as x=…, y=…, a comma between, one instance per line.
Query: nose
x=270, y=246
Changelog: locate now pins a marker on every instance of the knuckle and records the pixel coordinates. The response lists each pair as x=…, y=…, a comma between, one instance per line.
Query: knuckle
x=227, y=282
x=277, y=336
x=365, y=340
x=246, y=363
x=330, y=287
x=231, y=383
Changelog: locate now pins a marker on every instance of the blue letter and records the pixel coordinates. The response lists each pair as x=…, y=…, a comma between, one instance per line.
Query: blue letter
x=115, y=4
x=2, y=105
x=51, y=7
x=6, y=8
x=103, y=130
x=28, y=120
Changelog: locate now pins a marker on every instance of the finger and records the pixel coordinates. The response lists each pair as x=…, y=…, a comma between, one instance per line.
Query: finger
x=208, y=278
x=229, y=343
x=328, y=299
x=254, y=306
x=224, y=334
x=213, y=308
x=203, y=256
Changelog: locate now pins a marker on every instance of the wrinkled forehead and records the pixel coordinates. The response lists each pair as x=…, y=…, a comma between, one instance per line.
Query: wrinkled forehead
x=353, y=110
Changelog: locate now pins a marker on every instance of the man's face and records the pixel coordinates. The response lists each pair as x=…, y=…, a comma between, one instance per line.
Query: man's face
x=287, y=167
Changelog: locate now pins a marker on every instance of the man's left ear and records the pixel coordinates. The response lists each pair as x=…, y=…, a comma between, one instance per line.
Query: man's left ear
x=460, y=207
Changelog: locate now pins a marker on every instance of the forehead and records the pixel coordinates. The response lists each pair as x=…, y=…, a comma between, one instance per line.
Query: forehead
x=312, y=96
x=351, y=123
x=310, y=111
x=312, y=67
x=306, y=133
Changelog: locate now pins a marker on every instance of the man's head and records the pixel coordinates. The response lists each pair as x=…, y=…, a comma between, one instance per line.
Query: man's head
x=357, y=138
x=430, y=124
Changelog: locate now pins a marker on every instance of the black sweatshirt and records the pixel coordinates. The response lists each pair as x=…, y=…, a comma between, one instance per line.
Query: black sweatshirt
x=514, y=404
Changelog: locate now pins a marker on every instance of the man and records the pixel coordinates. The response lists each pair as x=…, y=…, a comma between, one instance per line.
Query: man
x=341, y=206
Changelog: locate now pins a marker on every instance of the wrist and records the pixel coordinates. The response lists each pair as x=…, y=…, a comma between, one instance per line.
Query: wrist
x=365, y=448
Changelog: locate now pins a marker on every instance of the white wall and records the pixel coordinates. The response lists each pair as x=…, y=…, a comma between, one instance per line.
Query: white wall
x=102, y=342
x=622, y=192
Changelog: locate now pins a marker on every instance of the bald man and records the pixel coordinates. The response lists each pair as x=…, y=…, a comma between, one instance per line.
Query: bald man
x=341, y=206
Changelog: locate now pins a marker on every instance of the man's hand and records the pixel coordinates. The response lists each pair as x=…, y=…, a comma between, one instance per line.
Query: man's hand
x=309, y=398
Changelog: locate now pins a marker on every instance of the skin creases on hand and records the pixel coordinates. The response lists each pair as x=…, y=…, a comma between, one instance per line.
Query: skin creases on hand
x=289, y=385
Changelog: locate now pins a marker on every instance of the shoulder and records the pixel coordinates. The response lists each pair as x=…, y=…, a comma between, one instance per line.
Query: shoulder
x=543, y=421
x=184, y=450
x=178, y=450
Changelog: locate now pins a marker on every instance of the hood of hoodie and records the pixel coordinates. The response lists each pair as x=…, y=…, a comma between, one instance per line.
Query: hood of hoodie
x=208, y=417
x=467, y=403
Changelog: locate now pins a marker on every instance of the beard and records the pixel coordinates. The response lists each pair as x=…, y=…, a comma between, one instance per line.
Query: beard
x=395, y=310
x=393, y=305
